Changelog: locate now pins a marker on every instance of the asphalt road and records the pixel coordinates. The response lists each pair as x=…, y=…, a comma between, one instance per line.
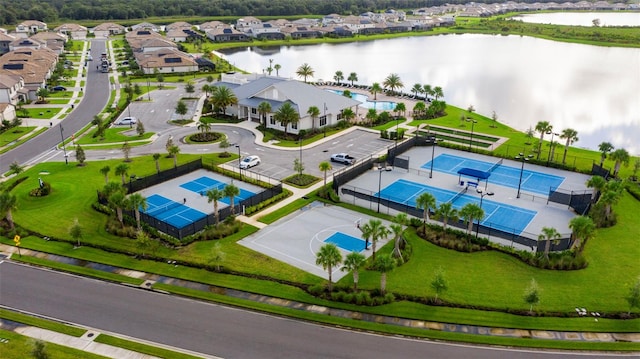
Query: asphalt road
x=213, y=329
x=96, y=94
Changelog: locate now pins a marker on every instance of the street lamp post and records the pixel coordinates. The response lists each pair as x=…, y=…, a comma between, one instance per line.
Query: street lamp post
x=300, y=138
x=551, y=146
x=324, y=128
x=473, y=122
x=380, y=169
x=148, y=90
x=482, y=194
x=433, y=151
x=239, y=162
x=522, y=158
x=66, y=160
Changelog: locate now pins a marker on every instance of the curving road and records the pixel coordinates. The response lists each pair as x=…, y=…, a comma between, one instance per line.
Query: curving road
x=214, y=329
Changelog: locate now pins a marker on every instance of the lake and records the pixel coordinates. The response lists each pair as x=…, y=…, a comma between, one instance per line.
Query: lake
x=583, y=18
x=592, y=89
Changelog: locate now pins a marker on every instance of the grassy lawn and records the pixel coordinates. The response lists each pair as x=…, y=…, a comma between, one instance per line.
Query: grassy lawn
x=40, y=112
x=58, y=101
x=31, y=135
x=13, y=134
x=114, y=134
x=19, y=346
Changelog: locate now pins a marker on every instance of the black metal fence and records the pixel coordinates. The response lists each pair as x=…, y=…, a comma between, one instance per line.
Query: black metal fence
x=596, y=170
x=139, y=183
x=579, y=201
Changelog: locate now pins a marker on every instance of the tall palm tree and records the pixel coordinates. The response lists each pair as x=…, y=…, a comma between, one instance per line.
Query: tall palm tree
x=352, y=77
x=372, y=116
x=348, y=114
x=156, y=158
x=352, y=263
x=263, y=109
x=393, y=83
x=206, y=88
x=214, y=195
x=8, y=203
x=374, y=230
x=117, y=201
x=231, y=191
x=305, y=71
x=425, y=201
x=286, y=115
x=419, y=109
x=121, y=170
x=222, y=97
x=397, y=228
x=428, y=91
x=400, y=108
x=612, y=193
x=314, y=113
x=325, y=166
x=550, y=235
x=446, y=212
x=328, y=257
x=542, y=127
x=384, y=264
x=620, y=156
x=416, y=89
x=571, y=136
x=583, y=229
x=375, y=90
x=105, y=172
x=605, y=148
x=437, y=92
x=204, y=127
x=173, y=152
x=598, y=183
x=136, y=202
x=338, y=77
x=469, y=213
x=277, y=67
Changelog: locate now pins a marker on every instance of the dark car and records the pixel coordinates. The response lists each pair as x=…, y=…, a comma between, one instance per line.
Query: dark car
x=58, y=88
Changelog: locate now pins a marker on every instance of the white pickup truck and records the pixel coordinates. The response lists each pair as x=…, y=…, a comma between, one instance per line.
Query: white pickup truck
x=342, y=158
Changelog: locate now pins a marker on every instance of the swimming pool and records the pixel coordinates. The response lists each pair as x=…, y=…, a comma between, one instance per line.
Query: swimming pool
x=364, y=100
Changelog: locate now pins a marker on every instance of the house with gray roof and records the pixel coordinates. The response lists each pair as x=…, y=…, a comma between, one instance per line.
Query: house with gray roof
x=251, y=90
x=5, y=41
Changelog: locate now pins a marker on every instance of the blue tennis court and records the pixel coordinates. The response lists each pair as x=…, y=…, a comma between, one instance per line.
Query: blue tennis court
x=174, y=213
x=498, y=215
x=346, y=242
x=532, y=181
x=203, y=184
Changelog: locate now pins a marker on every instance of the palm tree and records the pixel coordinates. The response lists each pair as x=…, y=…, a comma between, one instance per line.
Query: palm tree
x=550, y=235
x=425, y=201
x=348, y=114
x=571, y=136
x=105, y=172
x=352, y=263
x=173, y=152
x=416, y=89
x=313, y=112
x=231, y=191
x=121, y=170
x=352, y=77
x=206, y=88
x=222, y=96
x=325, y=166
x=372, y=116
x=277, y=67
x=305, y=71
x=204, y=127
x=437, y=92
x=384, y=264
x=263, y=109
x=397, y=229
x=338, y=77
x=620, y=156
x=286, y=114
x=583, y=229
x=612, y=192
x=400, y=108
x=8, y=203
x=375, y=90
x=446, y=212
x=427, y=90
x=393, y=82
x=598, y=183
x=117, y=201
x=469, y=213
x=542, y=127
x=374, y=230
x=156, y=157
x=419, y=109
x=328, y=257
x=605, y=148
x=136, y=201
x=214, y=195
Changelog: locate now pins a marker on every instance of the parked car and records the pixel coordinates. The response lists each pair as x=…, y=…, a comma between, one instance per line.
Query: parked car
x=89, y=58
x=250, y=161
x=58, y=88
x=126, y=121
x=342, y=158
x=125, y=63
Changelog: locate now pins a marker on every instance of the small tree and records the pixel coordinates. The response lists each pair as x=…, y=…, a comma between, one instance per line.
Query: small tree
x=298, y=166
x=75, y=231
x=169, y=143
x=217, y=256
x=352, y=263
x=15, y=168
x=231, y=191
x=532, y=295
x=122, y=170
x=173, y=152
x=105, y=172
x=325, y=166
x=39, y=350
x=634, y=296
x=189, y=88
x=224, y=144
x=181, y=108
x=384, y=264
x=160, y=79
x=80, y=155
x=140, y=128
x=156, y=158
x=439, y=283
x=328, y=257
x=143, y=242
x=126, y=150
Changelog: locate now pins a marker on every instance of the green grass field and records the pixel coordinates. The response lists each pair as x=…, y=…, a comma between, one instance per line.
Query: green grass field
x=113, y=134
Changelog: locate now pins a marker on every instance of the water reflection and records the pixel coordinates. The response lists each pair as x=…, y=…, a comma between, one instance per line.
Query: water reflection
x=591, y=89
x=583, y=18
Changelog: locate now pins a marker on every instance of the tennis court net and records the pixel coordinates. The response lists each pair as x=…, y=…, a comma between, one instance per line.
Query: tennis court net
x=458, y=195
x=496, y=165
x=163, y=208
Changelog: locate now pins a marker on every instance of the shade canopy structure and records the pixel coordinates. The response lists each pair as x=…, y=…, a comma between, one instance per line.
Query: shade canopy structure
x=474, y=173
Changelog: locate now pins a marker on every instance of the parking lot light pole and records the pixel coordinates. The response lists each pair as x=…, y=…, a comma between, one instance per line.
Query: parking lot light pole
x=66, y=160
x=551, y=146
x=433, y=151
x=380, y=169
x=522, y=158
x=482, y=194
x=239, y=162
x=473, y=122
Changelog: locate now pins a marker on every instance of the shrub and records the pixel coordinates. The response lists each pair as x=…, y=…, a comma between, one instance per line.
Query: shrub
x=41, y=191
x=316, y=289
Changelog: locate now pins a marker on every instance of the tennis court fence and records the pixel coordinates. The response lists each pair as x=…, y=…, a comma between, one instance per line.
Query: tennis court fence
x=363, y=198
x=496, y=165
